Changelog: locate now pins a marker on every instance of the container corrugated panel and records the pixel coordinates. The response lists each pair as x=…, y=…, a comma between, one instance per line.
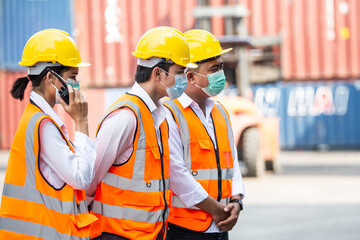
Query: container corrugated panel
x=108, y=31
x=313, y=115
x=10, y=108
x=99, y=100
x=320, y=38
x=19, y=19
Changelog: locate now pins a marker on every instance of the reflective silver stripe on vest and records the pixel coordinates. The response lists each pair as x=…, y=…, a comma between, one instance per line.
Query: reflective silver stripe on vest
x=128, y=213
x=184, y=132
x=33, y=195
x=139, y=165
x=30, y=185
x=212, y=174
x=202, y=174
x=35, y=230
x=176, y=202
x=229, y=128
x=29, y=193
x=138, y=185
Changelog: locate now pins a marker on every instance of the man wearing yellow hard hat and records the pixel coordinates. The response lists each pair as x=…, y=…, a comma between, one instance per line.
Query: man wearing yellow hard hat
x=205, y=141
x=44, y=189
x=131, y=187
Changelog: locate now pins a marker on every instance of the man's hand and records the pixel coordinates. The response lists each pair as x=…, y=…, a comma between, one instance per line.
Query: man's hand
x=214, y=208
x=227, y=224
x=219, y=214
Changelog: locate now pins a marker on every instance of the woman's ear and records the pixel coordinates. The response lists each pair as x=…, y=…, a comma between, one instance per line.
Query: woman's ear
x=50, y=77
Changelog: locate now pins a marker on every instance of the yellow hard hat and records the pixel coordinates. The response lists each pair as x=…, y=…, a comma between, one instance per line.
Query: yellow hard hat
x=52, y=45
x=203, y=45
x=164, y=42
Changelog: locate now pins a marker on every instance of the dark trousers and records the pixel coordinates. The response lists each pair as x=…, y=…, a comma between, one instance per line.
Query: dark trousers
x=109, y=236
x=177, y=233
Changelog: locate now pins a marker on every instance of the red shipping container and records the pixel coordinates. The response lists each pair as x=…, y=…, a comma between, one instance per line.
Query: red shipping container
x=108, y=31
x=320, y=39
x=11, y=109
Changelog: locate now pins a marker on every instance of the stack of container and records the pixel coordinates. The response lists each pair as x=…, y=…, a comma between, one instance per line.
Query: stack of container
x=19, y=19
x=320, y=47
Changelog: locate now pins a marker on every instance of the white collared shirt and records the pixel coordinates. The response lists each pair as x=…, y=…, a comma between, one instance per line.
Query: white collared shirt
x=58, y=164
x=176, y=150
x=115, y=138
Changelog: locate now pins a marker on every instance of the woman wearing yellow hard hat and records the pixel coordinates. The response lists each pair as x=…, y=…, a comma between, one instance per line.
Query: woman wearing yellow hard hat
x=43, y=194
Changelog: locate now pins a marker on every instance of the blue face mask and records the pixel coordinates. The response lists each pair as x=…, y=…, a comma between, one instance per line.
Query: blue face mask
x=216, y=83
x=179, y=87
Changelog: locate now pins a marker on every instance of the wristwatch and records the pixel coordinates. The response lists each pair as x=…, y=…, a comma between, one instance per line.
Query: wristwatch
x=239, y=202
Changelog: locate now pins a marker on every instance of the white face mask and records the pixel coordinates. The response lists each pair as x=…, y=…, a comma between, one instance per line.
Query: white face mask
x=56, y=95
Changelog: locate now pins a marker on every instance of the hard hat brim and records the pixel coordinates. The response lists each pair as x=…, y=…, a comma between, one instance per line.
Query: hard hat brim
x=83, y=64
x=226, y=51
x=191, y=65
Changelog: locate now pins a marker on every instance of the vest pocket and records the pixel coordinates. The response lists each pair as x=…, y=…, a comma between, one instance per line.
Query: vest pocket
x=83, y=219
x=205, y=144
x=146, y=199
x=138, y=219
x=194, y=213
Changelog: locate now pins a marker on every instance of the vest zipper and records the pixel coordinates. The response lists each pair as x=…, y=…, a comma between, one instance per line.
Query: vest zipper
x=219, y=174
x=217, y=163
x=163, y=180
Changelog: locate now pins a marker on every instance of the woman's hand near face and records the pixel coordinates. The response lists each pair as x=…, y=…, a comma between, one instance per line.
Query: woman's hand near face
x=77, y=109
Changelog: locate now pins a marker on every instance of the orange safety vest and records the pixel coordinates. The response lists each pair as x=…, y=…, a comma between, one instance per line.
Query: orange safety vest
x=211, y=167
x=30, y=207
x=132, y=199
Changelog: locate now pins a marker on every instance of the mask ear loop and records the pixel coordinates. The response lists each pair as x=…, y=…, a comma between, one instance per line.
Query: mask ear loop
x=203, y=76
x=170, y=75
x=58, y=77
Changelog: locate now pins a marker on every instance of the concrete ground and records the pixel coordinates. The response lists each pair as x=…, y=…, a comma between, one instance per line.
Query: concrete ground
x=315, y=197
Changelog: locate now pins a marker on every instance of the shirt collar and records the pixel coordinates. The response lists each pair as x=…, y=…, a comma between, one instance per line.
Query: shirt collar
x=157, y=110
x=46, y=108
x=140, y=92
x=187, y=101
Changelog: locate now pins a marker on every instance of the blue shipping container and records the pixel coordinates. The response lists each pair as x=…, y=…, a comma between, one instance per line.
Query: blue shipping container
x=19, y=19
x=313, y=115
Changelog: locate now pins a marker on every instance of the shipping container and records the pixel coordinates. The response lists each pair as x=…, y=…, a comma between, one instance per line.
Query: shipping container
x=108, y=31
x=19, y=19
x=320, y=39
x=313, y=115
x=10, y=108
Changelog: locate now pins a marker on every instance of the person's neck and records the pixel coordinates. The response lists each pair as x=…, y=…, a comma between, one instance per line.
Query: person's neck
x=200, y=100
x=151, y=91
x=44, y=96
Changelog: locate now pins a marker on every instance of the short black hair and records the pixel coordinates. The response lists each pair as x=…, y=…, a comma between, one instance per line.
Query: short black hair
x=143, y=73
x=208, y=59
